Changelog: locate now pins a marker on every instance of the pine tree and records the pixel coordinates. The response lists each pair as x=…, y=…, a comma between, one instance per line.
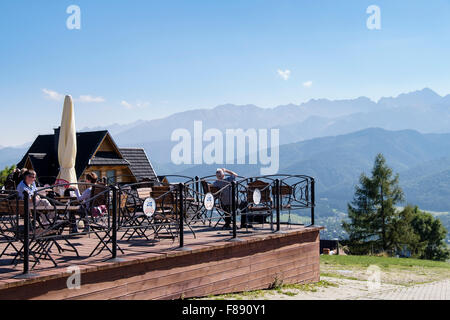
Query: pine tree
x=372, y=213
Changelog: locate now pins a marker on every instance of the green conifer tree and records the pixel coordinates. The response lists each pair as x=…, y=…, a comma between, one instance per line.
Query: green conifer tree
x=372, y=213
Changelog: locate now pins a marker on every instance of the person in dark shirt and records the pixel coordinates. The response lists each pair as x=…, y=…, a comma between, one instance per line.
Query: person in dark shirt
x=224, y=184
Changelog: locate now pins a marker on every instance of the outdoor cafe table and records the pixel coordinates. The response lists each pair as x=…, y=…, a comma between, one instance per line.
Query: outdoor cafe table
x=59, y=209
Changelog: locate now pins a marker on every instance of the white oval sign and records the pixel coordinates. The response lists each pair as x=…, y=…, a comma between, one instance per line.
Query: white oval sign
x=149, y=207
x=209, y=201
x=256, y=196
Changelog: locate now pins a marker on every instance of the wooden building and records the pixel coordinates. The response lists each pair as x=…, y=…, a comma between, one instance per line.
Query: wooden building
x=96, y=152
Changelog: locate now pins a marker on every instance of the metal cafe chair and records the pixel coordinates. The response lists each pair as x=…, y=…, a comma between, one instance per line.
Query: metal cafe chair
x=165, y=216
x=43, y=236
x=38, y=249
x=201, y=213
x=9, y=215
x=132, y=217
x=11, y=209
x=261, y=210
x=99, y=222
x=54, y=227
x=286, y=196
x=218, y=209
x=144, y=193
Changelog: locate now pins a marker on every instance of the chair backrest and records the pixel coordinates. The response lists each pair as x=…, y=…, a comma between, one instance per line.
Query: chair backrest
x=144, y=193
x=123, y=199
x=164, y=196
x=206, y=187
x=262, y=186
x=285, y=190
x=9, y=206
x=21, y=208
x=4, y=204
x=100, y=192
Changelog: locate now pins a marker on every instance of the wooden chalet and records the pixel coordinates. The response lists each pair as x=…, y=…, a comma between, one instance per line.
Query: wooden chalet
x=96, y=152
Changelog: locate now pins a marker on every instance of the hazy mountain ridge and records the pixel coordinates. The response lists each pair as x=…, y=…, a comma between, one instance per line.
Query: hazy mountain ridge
x=10, y=156
x=423, y=110
x=337, y=162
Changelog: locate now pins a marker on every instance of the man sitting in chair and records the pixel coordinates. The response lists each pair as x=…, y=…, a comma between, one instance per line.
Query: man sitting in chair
x=225, y=197
x=225, y=194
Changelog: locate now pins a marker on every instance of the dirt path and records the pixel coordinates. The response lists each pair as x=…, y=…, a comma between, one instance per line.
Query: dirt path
x=364, y=278
x=359, y=290
x=331, y=288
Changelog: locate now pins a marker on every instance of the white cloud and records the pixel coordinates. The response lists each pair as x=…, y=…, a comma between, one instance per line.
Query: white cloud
x=308, y=84
x=142, y=104
x=53, y=95
x=90, y=99
x=137, y=105
x=126, y=104
x=56, y=96
x=284, y=74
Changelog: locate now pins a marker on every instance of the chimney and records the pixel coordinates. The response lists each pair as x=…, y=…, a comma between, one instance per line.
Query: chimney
x=56, y=140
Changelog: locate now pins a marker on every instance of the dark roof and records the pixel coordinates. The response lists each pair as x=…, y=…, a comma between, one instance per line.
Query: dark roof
x=87, y=144
x=140, y=166
x=106, y=158
x=40, y=162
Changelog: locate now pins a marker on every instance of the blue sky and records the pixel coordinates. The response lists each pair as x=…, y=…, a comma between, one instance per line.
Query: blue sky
x=146, y=59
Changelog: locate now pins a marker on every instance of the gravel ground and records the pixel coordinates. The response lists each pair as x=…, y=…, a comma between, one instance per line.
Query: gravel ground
x=357, y=283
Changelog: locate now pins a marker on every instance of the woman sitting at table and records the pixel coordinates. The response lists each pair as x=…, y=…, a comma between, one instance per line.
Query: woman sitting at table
x=91, y=178
x=82, y=198
x=29, y=184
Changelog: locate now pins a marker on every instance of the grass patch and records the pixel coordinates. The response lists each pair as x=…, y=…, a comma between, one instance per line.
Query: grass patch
x=338, y=276
x=382, y=262
x=310, y=286
x=283, y=289
x=294, y=289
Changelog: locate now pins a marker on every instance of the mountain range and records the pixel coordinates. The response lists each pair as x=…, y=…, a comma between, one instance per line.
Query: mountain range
x=424, y=111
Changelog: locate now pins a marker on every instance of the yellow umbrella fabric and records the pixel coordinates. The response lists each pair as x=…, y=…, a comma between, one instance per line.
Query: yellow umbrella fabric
x=67, y=145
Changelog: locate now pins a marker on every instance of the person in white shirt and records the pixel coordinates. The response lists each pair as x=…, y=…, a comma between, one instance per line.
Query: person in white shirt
x=90, y=178
x=82, y=198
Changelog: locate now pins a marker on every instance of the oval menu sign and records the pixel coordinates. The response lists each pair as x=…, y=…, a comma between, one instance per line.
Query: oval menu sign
x=209, y=201
x=256, y=196
x=149, y=207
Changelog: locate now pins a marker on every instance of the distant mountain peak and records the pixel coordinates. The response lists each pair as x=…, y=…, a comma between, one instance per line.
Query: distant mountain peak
x=425, y=92
x=419, y=98
x=230, y=105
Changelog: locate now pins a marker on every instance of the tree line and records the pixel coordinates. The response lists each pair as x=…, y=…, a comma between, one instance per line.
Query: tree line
x=5, y=173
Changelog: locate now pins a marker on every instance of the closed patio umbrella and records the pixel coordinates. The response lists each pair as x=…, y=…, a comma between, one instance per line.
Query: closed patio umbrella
x=67, y=145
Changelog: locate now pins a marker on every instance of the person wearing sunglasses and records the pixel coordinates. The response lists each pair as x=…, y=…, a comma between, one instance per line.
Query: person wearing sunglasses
x=27, y=184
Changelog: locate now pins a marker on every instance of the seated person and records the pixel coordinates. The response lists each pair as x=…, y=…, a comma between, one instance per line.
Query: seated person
x=29, y=184
x=225, y=194
x=91, y=178
x=12, y=180
x=82, y=198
